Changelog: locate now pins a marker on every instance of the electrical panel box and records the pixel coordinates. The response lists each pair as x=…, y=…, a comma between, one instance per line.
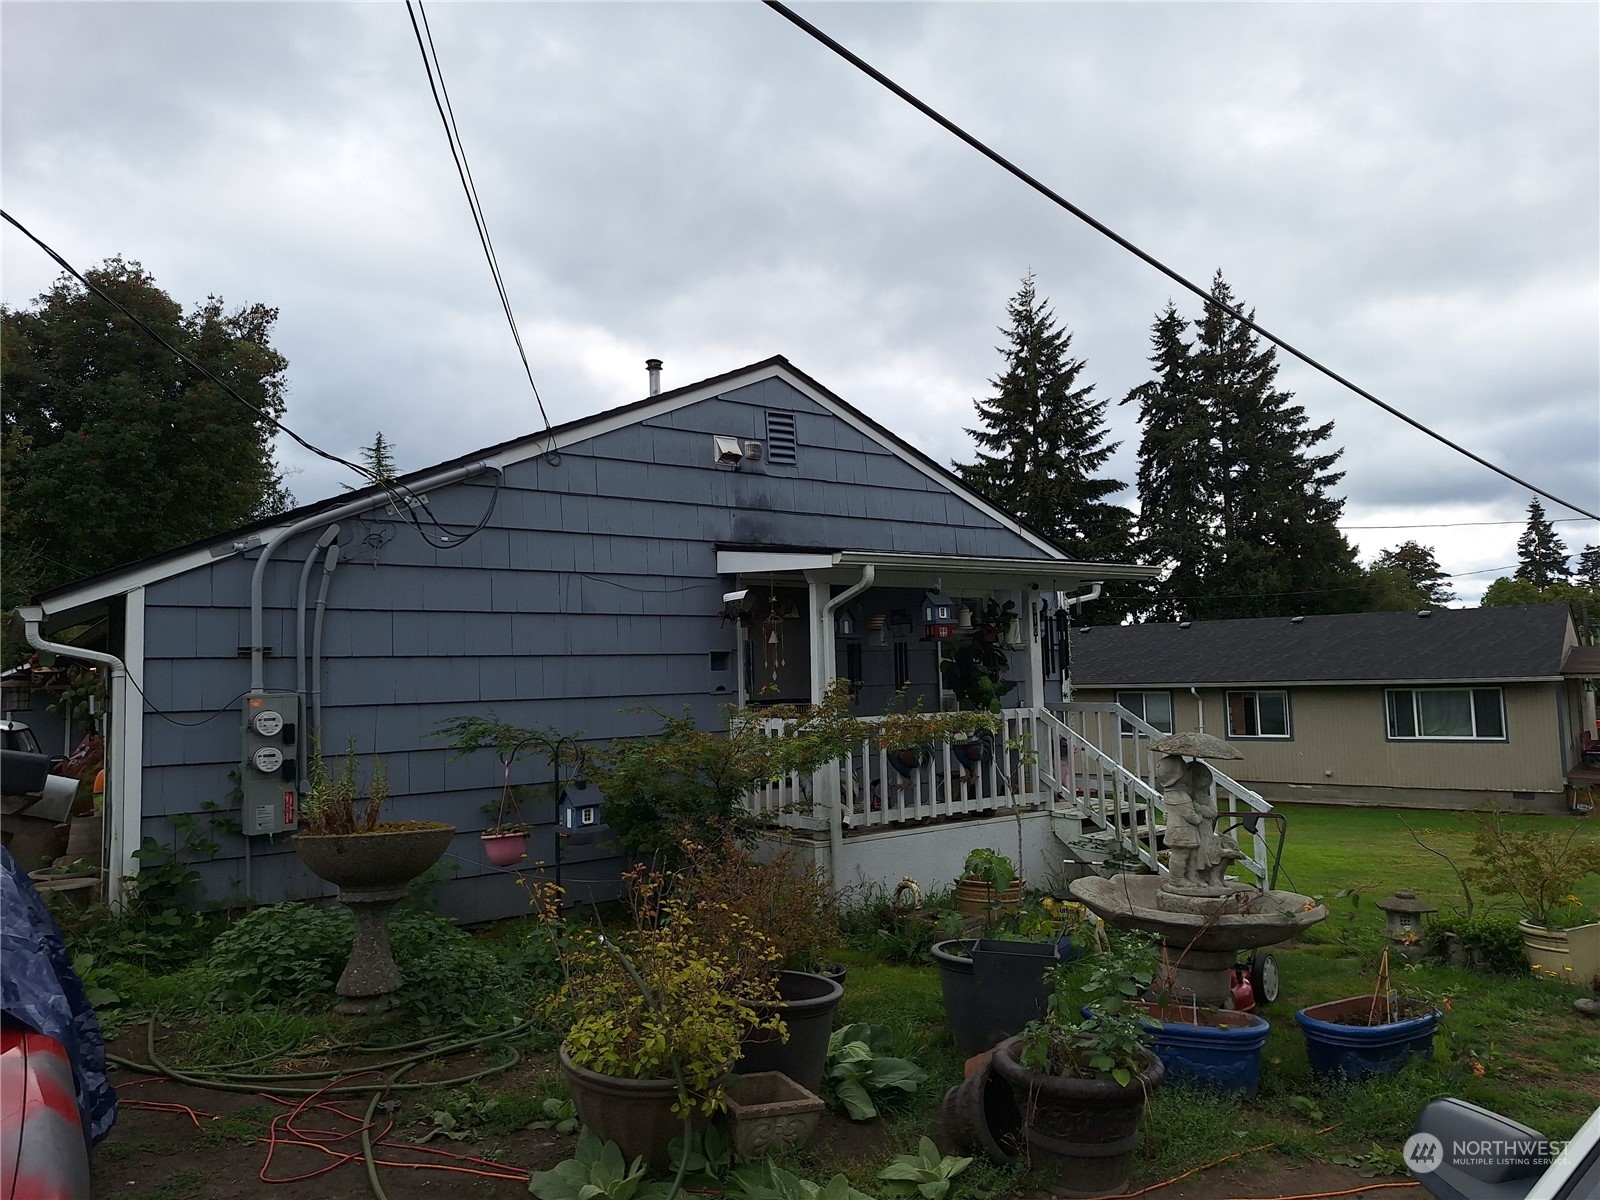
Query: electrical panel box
x=270, y=772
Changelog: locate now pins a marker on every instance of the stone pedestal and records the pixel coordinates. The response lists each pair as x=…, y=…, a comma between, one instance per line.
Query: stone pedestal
x=371, y=971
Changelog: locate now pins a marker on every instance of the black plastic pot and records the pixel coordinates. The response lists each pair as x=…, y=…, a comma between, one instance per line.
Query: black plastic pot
x=1010, y=986
x=960, y=989
x=809, y=1002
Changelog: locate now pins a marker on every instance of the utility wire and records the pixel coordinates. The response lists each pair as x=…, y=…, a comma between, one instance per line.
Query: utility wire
x=201, y=368
x=1460, y=524
x=1249, y=323
x=447, y=116
x=399, y=495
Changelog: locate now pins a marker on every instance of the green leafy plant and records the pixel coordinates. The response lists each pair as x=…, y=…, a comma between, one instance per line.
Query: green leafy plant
x=765, y=1180
x=1112, y=1041
x=710, y=1158
x=1538, y=866
x=560, y=1116
x=991, y=867
x=1491, y=940
x=661, y=998
x=287, y=953
x=1377, y=1162
x=925, y=1173
x=860, y=1068
x=597, y=1170
x=976, y=671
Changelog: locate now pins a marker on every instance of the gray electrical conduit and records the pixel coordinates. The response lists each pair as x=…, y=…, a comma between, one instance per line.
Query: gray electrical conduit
x=350, y=509
x=330, y=563
x=328, y=536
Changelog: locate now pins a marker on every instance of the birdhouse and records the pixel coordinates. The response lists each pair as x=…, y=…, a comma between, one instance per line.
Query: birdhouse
x=938, y=616
x=579, y=806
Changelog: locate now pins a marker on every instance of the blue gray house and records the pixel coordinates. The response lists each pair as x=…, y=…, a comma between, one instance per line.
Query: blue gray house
x=747, y=538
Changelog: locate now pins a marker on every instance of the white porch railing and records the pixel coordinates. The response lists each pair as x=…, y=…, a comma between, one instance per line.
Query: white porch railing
x=1075, y=758
x=986, y=774
x=1110, y=767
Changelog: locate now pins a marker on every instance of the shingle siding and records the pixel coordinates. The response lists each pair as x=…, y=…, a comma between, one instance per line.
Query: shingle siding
x=592, y=590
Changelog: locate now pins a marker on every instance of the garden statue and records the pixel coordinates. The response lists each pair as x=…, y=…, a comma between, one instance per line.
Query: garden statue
x=1198, y=854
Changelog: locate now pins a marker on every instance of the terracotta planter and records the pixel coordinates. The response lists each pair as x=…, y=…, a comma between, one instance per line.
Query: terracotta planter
x=807, y=1008
x=636, y=1114
x=504, y=849
x=769, y=1113
x=1087, y=1127
x=1571, y=955
x=1359, y=1051
x=979, y=898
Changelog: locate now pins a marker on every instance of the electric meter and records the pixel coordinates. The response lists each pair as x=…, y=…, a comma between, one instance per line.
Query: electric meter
x=271, y=755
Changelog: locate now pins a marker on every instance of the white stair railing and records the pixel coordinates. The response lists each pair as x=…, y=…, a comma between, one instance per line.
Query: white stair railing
x=1104, y=766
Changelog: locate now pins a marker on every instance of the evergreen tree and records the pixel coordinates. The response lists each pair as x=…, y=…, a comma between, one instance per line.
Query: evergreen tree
x=113, y=448
x=378, y=458
x=1421, y=570
x=1233, y=492
x=1042, y=439
x=1177, y=522
x=1541, y=555
x=1587, y=569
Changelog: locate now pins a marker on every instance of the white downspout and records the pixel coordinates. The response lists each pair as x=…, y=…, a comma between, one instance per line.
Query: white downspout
x=1200, y=711
x=122, y=771
x=1069, y=603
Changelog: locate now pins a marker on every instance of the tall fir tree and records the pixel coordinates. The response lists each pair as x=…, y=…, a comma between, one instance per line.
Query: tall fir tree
x=1587, y=569
x=1541, y=555
x=378, y=458
x=1177, y=521
x=1252, y=531
x=1042, y=439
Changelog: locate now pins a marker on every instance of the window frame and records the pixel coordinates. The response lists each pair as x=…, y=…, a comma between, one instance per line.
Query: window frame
x=1255, y=695
x=1127, y=730
x=1472, y=693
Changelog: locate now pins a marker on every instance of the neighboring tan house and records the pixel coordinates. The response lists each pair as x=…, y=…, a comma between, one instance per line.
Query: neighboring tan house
x=744, y=538
x=1441, y=708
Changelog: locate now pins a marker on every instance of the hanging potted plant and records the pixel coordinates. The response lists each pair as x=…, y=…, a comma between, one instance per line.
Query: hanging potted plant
x=653, y=1016
x=505, y=843
x=1539, y=866
x=1081, y=1082
x=976, y=671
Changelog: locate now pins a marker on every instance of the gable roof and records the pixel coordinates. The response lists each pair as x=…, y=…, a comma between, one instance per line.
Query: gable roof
x=1454, y=645
x=174, y=562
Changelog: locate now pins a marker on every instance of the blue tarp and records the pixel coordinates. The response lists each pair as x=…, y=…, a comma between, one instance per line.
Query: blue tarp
x=39, y=988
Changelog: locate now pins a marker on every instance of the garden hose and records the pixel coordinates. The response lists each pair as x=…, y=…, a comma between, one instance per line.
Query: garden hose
x=223, y=1078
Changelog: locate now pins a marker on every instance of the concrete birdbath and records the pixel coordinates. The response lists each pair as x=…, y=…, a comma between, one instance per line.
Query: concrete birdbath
x=373, y=871
x=1203, y=918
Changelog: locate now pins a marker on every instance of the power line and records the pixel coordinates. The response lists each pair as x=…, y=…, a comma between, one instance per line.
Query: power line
x=1461, y=524
x=447, y=116
x=201, y=368
x=939, y=118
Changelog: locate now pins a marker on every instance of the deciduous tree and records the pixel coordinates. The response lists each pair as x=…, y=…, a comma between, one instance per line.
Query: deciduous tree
x=114, y=449
x=1420, y=570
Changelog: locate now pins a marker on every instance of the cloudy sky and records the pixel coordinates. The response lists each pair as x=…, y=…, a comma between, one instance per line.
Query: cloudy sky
x=1409, y=192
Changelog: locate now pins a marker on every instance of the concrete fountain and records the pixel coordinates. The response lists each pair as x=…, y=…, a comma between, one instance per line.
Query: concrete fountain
x=1202, y=918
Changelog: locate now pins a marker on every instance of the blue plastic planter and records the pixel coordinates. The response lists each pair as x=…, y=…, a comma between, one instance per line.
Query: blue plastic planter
x=1220, y=1051
x=1358, y=1051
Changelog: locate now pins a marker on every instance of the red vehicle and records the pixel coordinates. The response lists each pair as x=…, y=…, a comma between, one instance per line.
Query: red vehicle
x=43, y=1152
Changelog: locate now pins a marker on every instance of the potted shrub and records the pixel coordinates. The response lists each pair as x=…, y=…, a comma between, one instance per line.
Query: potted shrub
x=791, y=905
x=343, y=840
x=1081, y=1081
x=988, y=884
x=1368, y=1035
x=976, y=672
x=653, y=1015
x=1539, y=866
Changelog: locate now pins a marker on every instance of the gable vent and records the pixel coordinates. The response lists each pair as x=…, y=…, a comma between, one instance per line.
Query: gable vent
x=782, y=448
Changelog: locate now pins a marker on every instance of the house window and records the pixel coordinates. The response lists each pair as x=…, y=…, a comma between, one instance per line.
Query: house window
x=1449, y=714
x=1258, y=714
x=1153, y=708
x=783, y=446
x=902, y=664
x=853, y=670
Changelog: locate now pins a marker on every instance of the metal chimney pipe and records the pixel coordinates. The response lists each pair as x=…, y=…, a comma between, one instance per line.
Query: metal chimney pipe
x=653, y=365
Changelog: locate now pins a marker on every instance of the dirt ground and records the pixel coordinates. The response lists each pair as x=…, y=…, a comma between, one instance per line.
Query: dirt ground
x=173, y=1141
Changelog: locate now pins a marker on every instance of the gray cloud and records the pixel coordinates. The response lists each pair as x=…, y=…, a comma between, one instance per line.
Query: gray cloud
x=1408, y=191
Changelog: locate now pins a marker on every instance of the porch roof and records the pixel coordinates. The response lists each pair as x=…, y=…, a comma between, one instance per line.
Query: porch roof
x=894, y=569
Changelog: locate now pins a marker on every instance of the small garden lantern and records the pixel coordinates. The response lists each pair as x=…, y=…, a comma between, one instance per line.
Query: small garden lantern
x=1404, y=914
x=938, y=616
